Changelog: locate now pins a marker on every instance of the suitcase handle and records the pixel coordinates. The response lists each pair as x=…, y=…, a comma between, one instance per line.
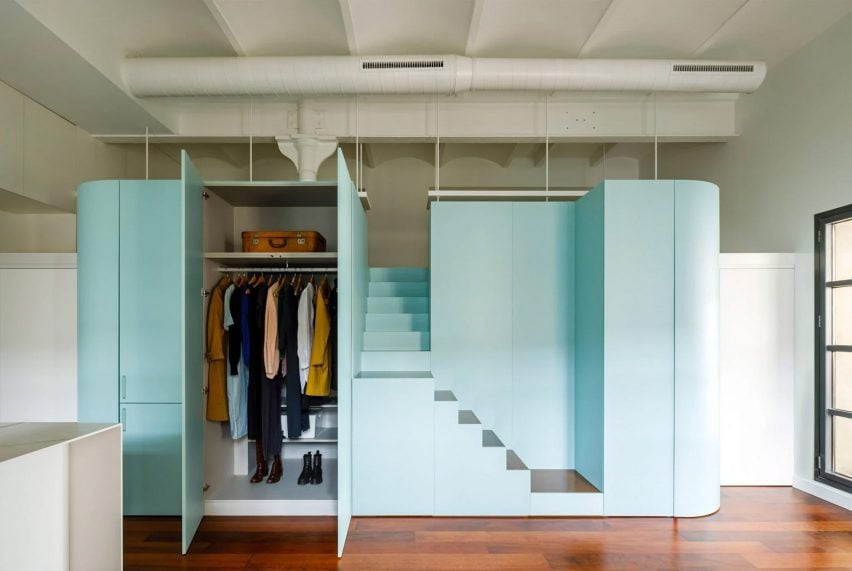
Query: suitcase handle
x=278, y=242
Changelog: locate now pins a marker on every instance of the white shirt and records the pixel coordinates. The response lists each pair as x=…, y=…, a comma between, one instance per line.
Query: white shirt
x=305, y=333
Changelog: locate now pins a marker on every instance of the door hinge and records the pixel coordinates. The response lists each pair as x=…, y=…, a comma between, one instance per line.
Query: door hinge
x=819, y=321
x=205, y=488
x=204, y=292
x=205, y=194
x=819, y=462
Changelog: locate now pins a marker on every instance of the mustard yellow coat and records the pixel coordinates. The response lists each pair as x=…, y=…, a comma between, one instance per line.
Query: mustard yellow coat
x=319, y=375
x=217, y=396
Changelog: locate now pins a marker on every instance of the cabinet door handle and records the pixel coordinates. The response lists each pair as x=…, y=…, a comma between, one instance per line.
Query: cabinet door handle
x=124, y=386
x=123, y=419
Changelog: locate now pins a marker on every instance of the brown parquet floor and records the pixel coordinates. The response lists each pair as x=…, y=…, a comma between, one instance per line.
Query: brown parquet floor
x=764, y=528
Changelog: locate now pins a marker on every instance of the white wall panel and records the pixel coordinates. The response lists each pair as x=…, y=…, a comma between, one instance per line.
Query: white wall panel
x=757, y=369
x=38, y=344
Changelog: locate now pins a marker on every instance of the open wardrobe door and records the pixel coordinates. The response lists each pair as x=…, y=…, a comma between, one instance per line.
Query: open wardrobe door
x=353, y=280
x=192, y=201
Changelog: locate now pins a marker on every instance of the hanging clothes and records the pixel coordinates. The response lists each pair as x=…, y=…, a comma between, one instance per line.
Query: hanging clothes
x=271, y=353
x=332, y=309
x=288, y=307
x=319, y=375
x=256, y=316
x=237, y=379
x=270, y=392
x=306, y=331
x=217, y=399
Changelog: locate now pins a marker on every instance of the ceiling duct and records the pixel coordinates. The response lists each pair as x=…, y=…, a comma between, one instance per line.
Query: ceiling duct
x=358, y=75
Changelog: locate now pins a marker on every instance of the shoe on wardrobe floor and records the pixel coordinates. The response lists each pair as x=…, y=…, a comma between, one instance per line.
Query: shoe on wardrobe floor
x=305, y=476
x=316, y=474
x=260, y=472
x=276, y=472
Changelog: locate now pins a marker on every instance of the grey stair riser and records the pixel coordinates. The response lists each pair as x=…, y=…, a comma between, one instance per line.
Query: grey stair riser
x=397, y=322
x=399, y=274
x=398, y=305
x=399, y=289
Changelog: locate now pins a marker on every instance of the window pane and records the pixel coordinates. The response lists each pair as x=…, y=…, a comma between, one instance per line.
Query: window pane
x=841, y=316
x=841, y=248
x=841, y=376
x=842, y=445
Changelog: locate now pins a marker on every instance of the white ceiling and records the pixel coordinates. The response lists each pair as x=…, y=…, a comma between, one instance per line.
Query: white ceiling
x=101, y=33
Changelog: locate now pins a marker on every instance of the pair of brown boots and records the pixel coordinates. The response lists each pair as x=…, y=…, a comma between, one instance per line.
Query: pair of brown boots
x=260, y=473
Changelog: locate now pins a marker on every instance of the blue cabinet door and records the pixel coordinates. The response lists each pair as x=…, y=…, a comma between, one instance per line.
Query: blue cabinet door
x=97, y=301
x=150, y=291
x=152, y=458
x=191, y=346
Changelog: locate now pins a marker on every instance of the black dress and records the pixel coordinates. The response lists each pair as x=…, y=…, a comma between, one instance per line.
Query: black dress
x=288, y=325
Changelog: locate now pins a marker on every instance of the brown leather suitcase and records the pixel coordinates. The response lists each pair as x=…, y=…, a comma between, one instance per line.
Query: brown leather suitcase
x=283, y=241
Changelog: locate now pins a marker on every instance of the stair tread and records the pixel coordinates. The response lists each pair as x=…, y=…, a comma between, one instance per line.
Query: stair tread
x=445, y=396
x=468, y=417
x=491, y=440
x=514, y=462
x=560, y=482
x=394, y=375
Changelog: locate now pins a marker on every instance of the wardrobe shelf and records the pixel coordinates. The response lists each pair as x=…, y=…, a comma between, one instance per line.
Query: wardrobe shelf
x=276, y=193
x=270, y=259
x=323, y=436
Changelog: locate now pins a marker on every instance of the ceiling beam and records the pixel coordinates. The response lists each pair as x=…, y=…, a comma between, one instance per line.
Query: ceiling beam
x=607, y=14
x=475, y=23
x=712, y=38
x=217, y=14
x=349, y=26
x=540, y=153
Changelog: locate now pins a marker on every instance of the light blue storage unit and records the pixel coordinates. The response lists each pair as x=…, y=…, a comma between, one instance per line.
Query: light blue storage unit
x=543, y=333
x=393, y=444
x=97, y=302
x=638, y=347
x=589, y=336
x=139, y=335
x=696, y=399
x=353, y=282
x=471, y=285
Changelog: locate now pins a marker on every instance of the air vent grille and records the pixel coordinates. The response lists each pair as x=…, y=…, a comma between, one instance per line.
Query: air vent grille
x=418, y=64
x=713, y=67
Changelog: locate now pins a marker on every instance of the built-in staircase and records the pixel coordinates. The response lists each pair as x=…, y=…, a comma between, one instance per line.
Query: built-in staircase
x=475, y=474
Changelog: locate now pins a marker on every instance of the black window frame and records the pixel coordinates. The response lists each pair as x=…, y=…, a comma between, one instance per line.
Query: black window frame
x=822, y=409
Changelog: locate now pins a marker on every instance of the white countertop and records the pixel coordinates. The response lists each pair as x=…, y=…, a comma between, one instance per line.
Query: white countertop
x=21, y=438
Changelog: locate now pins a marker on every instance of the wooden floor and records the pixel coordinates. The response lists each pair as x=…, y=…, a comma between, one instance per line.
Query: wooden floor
x=768, y=528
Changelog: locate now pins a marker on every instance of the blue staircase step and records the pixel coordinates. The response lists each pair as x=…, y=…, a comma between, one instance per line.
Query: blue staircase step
x=398, y=305
x=399, y=289
x=397, y=322
x=396, y=341
x=396, y=361
x=399, y=274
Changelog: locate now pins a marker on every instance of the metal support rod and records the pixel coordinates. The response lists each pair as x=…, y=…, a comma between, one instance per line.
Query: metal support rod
x=146, y=153
x=277, y=270
x=437, y=151
x=251, y=139
x=655, y=136
x=357, y=150
x=546, y=147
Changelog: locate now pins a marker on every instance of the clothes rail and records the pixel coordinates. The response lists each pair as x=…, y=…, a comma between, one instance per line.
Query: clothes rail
x=268, y=270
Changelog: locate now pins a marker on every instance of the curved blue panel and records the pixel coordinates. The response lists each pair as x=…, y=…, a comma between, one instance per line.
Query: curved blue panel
x=696, y=437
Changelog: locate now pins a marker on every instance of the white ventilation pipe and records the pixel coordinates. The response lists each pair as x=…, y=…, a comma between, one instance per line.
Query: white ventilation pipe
x=356, y=75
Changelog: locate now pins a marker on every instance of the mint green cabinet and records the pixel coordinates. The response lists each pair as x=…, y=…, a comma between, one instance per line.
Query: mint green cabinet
x=150, y=297
x=140, y=335
x=152, y=458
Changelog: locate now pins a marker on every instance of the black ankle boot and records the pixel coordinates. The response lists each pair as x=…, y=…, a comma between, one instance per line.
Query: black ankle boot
x=316, y=475
x=305, y=476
